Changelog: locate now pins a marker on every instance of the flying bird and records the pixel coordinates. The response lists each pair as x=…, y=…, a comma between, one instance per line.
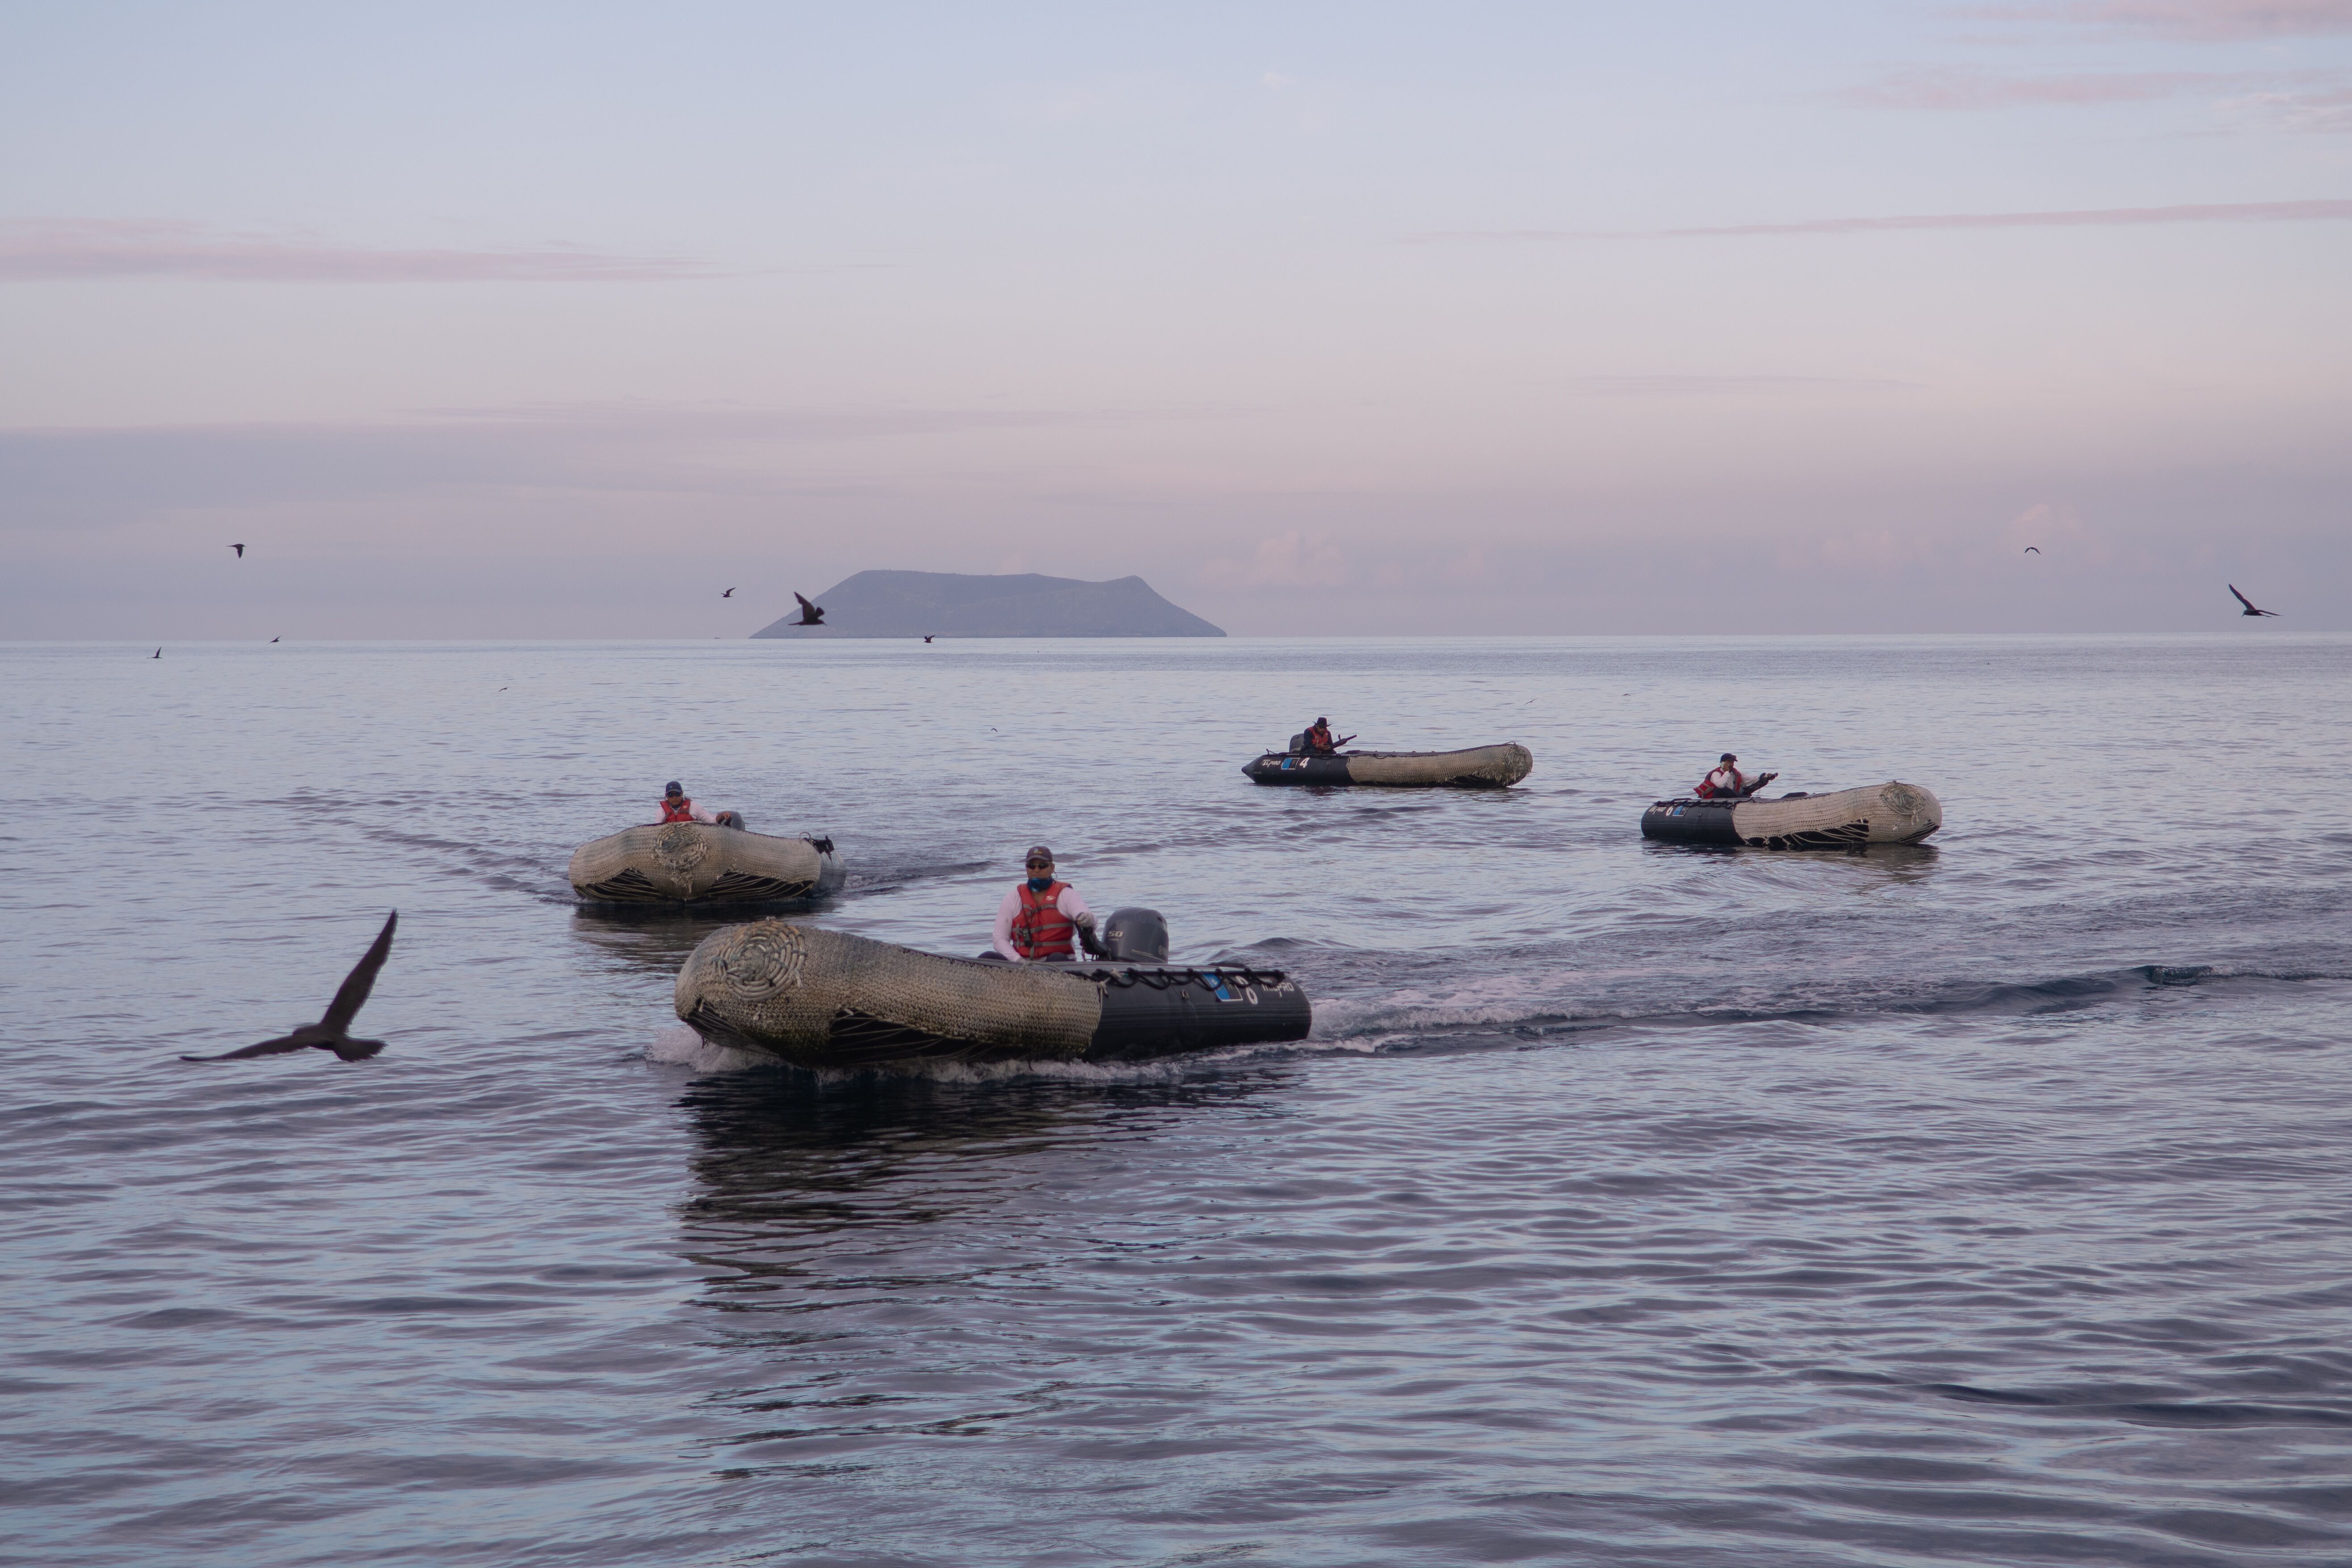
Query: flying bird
x=273, y=639
x=157, y=654
x=240, y=551
x=810, y=615
x=929, y=636
x=728, y=594
x=2250, y=609
x=2031, y=550
x=331, y=1032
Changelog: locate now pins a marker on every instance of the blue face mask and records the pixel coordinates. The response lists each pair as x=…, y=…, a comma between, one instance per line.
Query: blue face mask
x=1039, y=884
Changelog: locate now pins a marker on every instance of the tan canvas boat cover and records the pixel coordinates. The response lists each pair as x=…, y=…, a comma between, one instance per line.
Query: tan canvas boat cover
x=1890, y=813
x=1502, y=766
x=679, y=862
x=826, y=998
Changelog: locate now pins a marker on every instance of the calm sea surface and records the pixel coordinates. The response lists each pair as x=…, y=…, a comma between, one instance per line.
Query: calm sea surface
x=1988, y=1202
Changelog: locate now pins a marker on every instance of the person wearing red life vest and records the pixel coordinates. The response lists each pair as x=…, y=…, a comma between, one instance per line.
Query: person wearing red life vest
x=1039, y=915
x=676, y=807
x=1727, y=782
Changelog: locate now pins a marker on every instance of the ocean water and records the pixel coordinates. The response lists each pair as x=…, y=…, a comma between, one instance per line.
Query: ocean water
x=1982, y=1202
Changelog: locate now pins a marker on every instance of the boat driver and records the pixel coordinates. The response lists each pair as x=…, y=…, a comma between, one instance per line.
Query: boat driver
x=1039, y=915
x=1727, y=782
x=1318, y=738
x=676, y=807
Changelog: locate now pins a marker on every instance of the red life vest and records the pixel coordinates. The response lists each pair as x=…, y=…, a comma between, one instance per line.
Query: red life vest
x=682, y=812
x=1318, y=738
x=1041, y=929
x=1706, y=790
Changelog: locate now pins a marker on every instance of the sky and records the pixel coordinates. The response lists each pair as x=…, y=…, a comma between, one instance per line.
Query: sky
x=532, y=321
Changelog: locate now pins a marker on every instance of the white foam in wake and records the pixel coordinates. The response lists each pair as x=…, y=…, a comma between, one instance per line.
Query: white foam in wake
x=681, y=1045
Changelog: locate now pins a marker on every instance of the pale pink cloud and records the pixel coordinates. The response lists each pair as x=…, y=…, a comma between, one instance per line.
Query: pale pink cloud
x=1467, y=569
x=1948, y=87
x=57, y=249
x=2089, y=217
x=2057, y=532
x=1290, y=560
x=2328, y=112
x=2202, y=20
x=2330, y=209
x=2293, y=100
x=2085, y=218
x=1733, y=385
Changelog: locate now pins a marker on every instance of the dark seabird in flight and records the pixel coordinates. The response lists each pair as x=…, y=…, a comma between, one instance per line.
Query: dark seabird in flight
x=157, y=654
x=810, y=615
x=240, y=551
x=331, y=1032
x=2030, y=549
x=728, y=594
x=2250, y=609
x=929, y=636
x=273, y=639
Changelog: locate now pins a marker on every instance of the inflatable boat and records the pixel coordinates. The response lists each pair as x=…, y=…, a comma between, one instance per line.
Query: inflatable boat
x=820, y=998
x=1475, y=767
x=679, y=865
x=1890, y=813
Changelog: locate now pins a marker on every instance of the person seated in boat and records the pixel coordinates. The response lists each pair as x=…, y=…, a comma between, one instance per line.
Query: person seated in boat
x=1039, y=916
x=1319, y=743
x=1727, y=782
x=676, y=807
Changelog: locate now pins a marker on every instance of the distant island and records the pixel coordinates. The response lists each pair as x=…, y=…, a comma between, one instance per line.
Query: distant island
x=1025, y=604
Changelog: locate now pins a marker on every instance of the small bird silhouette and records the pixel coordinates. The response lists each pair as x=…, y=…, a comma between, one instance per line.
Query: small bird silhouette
x=728, y=594
x=2250, y=609
x=927, y=636
x=810, y=615
x=273, y=639
x=240, y=551
x=2030, y=549
x=157, y=654
x=332, y=1032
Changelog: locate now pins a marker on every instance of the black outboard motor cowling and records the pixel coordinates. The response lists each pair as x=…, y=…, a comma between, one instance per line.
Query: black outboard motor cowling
x=1298, y=744
x=1135, y=936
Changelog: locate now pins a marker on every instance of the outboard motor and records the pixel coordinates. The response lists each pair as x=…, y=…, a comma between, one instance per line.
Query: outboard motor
x=1135, y=936
x=1298, y=744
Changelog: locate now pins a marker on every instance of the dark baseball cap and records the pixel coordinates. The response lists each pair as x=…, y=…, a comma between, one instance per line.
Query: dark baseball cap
x=672, y=788
x=1038, y=852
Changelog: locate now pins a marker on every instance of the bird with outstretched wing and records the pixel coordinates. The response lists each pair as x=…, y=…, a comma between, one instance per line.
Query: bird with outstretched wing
x=334, y=1031
x=810, y=615
x=2250, y=609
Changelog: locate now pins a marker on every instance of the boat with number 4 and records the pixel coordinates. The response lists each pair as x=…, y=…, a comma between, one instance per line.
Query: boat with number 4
x=693, y=864
x=1890, y=813
x=820, y=998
